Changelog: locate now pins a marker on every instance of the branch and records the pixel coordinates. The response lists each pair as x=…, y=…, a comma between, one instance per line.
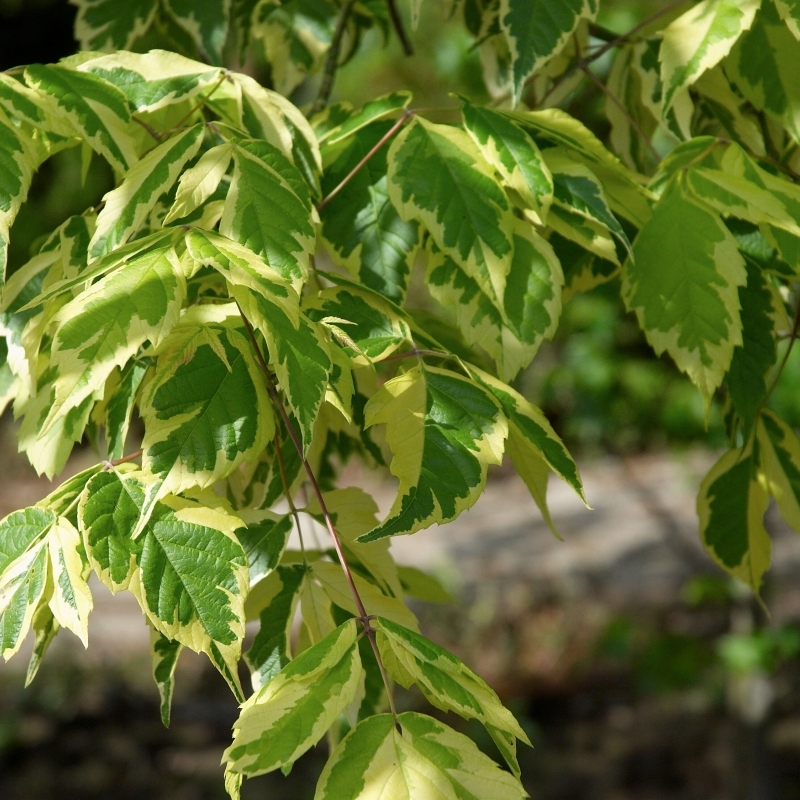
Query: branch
x=418, y=352
x=357, y=168
x=107, y=465
x=332, y=59
x=288, y=495
x=399, y=29
x=363, y=617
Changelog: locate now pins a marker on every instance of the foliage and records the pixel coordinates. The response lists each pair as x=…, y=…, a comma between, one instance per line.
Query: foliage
x=195, y=298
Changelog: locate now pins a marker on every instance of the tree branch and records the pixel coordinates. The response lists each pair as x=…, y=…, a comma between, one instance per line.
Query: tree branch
x=397, y=22
x=332, y=59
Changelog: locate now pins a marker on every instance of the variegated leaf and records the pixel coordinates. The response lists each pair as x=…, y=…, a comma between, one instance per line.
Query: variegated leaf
x=779, y=459
x=206, y=23
x=164, y=654
x=111, y=24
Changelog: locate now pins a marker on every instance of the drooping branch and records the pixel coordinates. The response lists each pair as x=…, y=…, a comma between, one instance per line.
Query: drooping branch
x=332, y=59
x=399, y=28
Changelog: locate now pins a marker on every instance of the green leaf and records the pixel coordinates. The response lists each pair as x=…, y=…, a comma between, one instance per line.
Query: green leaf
x=512, y=152
x=96, y=109
x=269, y=211
x=206, y=23
x=206, y=411
x=762, y=64
x=443, y=431
x=331, y=128
x=360, y=227
x=164, y=654
x=731, y=505
x=264, y=540
x=684, y=286
x=111, y=24
x=377, y=329
x=780, y=463
x=45, y=628
x=105, y=325
x=437, y=175
x=754, y=358
x=427, y=760
x=271, y=648
x=291, y=713
x=445, y=681
x=536, y=30
x=699, y=39
x=155, y=80
x=200, y=181
x=790, y=12
x=120, y=407
x=421, y=586
x=129, y=205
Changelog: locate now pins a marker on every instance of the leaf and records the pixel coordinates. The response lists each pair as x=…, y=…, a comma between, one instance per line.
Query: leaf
x=536, y=31
x=438, y=176
x=362, y=230
x=45, y=628
x=111, y=25
x=421, y=586
x=206, y=23
x=690, y=309
x=376, y=327
x=155, y=80
x=264, y=540
x=762, y=65
x=164, y=654
x=271, y=648
x=790, y=13
x=291, y=713
x=206, y=411
x=129, y=205
x=265, y=213
x=512, y=152
x=699, y=39
x=97, y=110
x=199, y=182
x=780, y=463
x=754, y=358
x=445, y=681
x=106, y=325
x=120, y=407
x=71, y=601
x=427, y=760
x=443, y=431
x=332, y=129
x=731, y=505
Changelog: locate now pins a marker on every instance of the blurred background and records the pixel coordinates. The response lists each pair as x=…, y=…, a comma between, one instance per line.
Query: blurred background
x=638, y=670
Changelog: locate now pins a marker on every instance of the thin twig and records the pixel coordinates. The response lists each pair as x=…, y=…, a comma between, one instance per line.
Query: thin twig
x=203, y=100
x=418, y=352
x=363, y=617
x=288, y=495
x=107, y=465
x=399, y=28
x=332, y=59
x=357, y=168
x=149, y=128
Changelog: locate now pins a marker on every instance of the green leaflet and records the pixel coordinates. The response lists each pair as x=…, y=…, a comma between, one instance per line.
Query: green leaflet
x=264, y=539
x=684, y=288
x=699, y=39
x=333, y=581
x=445, y=681
x=790, y=12
x=537, y=30
x=41, y=552
x=583, y=271
x=443, y=431
x=206, y=23
x=780, y=463
x=297, y=349
x=105, y=326
x=512, y=333
x=111, y=24
x=108, y=512
x=120, y=407
x=271, y=648
x=762, y=64
x=376, y=328
x=129, y=205
x=296, y=36
x=360, y=227
x=45, y=628
x=152, y=81
x=754, y=358
x=533, y=446
x=731, y=505
x=335, y=124
x=268, y=209
x=97, y=110
x=512, y=152
x=206, y=411
x=420, y=585
x=437, y=175
x=164, y=654
x=291, y=713
x=427, y=760
x=16, y=172
x=199, y=182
